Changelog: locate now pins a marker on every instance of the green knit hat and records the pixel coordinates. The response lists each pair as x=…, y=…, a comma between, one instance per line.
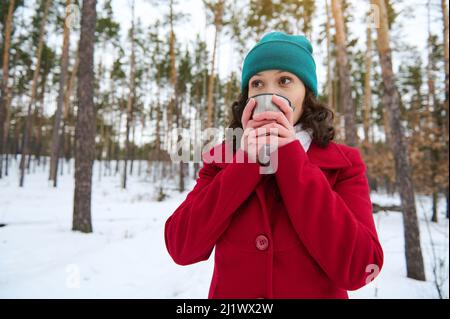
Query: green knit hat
x=278, y=50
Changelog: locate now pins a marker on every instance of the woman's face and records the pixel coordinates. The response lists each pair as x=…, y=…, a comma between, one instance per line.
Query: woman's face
x=279, y=82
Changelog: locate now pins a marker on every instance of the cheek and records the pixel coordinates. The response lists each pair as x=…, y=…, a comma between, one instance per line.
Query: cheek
x=297, y=102
x=300, y=96
x=297, y=112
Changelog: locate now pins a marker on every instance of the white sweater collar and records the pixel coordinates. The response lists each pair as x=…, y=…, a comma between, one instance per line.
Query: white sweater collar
x=304, y=136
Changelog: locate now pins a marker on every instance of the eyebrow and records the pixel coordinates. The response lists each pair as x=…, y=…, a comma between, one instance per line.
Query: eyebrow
x=280, y=71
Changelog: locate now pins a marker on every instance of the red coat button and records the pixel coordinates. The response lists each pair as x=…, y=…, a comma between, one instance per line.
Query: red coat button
x=262, y=242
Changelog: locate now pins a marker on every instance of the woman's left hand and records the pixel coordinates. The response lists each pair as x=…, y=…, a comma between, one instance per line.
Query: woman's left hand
x=283, y=129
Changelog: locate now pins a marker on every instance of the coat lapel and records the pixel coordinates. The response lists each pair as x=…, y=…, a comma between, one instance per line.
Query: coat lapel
x=330, y=157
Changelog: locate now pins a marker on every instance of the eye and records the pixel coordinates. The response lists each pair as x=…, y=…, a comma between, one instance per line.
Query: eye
x=285, y=78
x=254, y=83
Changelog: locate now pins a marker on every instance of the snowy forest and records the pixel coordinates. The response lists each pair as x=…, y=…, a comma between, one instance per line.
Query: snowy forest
x=95, y=95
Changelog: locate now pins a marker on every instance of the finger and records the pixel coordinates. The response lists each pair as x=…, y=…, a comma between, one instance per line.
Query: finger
x=273, y=129
x=274, y=142
x=251, y=133
x=247, y=131
x=256, y=124
x=270, y=140
x=270, y=115
x=246, y=115
x=245, y=135
x=262, y=131
x=284, y=106
x=278, y=130
x=258, y=141
x=283, y=141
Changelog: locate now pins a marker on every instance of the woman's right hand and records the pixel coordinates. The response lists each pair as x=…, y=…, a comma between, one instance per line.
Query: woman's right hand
x=255, y=136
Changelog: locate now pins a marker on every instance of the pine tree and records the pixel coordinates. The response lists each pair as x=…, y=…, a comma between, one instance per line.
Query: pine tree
x=85, y=127
x=391, y=100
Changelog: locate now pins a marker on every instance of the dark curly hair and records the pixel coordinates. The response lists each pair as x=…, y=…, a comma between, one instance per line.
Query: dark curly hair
x=315, y=116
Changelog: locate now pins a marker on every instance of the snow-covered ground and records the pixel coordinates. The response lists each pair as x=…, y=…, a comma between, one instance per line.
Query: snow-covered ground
x=125, y=256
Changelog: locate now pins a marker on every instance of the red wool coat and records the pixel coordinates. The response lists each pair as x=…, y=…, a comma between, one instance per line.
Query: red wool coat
x=306, y=231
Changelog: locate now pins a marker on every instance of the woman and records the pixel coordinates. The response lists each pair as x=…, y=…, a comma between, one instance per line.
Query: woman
x=305, y=231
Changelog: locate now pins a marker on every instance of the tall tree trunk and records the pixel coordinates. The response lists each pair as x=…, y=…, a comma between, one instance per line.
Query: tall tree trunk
x=6, y=134
x=346, y=100
x=391, y=101
x=158, y=116
x=70, y=86
x=435, y=158
x=27, y=131
x=109, y=144
x=133, y=146
x=173, y=70
x=38, y=115
x=99, y=156
x=431, y=123
x=85, y=127
x=141, y=150
x=112, y=148
x=367, y=86
x=65, y=135
x=218, y=25
x=117, y=152
x=329, y=69
x=446, y=63
x=386, y=125
x=4, y=88
x=130, y=102
x=60, y=101
x=7, y=126
x=172, y=106
x=181, y=164
x=16, y=142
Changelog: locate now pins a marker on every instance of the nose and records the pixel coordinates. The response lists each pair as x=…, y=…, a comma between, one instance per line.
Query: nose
x=273, y=89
